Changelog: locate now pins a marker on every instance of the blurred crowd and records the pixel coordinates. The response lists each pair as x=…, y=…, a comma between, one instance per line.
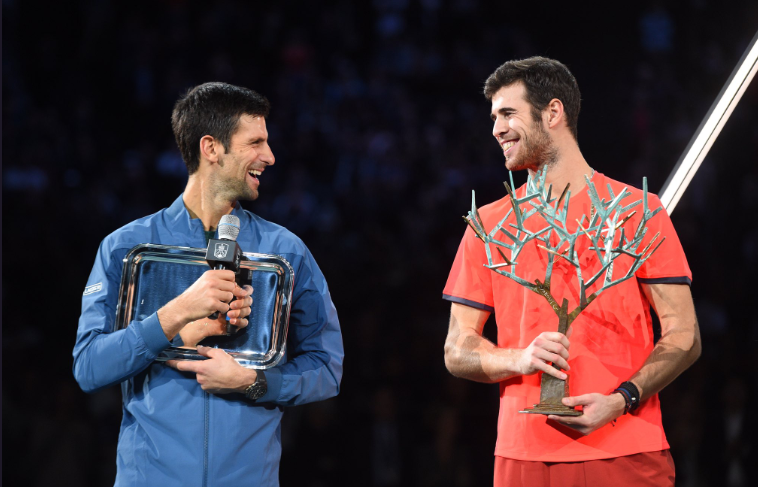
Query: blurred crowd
x=380, y=133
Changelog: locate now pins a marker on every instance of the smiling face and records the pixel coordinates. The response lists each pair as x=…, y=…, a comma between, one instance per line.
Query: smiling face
x=243, y=162
x=525, y=142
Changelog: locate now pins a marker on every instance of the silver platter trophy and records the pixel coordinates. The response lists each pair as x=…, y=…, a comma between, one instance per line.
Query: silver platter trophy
x=155, y=274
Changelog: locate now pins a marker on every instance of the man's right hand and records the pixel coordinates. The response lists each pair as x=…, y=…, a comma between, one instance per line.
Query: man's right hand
x=471, y=356
x=549, y=346
x=210, y=293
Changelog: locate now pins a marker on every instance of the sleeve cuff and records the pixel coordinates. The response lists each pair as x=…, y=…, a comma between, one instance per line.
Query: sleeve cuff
x=152, y=334
x=666, y=280
x=274, y=385
x=467, y=302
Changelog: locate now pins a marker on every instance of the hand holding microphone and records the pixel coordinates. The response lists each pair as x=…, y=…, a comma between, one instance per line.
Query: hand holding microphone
x=209, y=293
x=216, y=289
x=224, y=253
x=212, y=291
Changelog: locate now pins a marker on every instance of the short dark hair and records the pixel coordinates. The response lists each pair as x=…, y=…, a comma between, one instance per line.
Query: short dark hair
x=544, y=79
x=212, y=109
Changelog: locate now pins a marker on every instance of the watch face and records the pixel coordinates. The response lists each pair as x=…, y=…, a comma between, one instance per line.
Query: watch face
x=256, y=391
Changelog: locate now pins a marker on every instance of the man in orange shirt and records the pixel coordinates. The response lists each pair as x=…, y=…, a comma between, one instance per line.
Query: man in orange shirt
x=616, y=368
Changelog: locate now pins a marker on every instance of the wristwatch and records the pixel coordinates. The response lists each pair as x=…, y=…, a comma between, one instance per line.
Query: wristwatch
x=257, y=389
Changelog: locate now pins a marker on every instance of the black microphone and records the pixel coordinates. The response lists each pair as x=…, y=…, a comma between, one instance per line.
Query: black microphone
x=225, y=253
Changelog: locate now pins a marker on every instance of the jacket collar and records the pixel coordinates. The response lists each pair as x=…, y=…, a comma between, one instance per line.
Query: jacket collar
x=178, y=217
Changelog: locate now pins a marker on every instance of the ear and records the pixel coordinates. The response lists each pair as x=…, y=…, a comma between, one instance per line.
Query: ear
x=553, y=113
x=210, y=148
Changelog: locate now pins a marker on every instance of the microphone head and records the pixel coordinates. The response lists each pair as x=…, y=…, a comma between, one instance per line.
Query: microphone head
x=229, y=227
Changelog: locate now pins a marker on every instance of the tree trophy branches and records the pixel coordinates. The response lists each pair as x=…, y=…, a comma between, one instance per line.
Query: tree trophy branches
x=608, y=240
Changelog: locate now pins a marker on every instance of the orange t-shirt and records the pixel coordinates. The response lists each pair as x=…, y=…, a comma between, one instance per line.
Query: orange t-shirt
x=610, y=341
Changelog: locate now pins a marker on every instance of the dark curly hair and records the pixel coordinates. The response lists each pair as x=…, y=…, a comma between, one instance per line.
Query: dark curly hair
x=544, y=79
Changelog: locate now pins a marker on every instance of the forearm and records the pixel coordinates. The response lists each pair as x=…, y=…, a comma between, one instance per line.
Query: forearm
x=671, y=356
x=315, y=351
x=314, y=371
x=173, y=319
x=209, y=294
x=674, y=352
x=105, y=359
x=103, y=355
x=307, y=378
x=473, y=357
x=679, y=345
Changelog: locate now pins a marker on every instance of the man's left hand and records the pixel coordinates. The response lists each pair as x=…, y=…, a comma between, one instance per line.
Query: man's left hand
x=240, y=308
x=220, y=374
x=597, y=411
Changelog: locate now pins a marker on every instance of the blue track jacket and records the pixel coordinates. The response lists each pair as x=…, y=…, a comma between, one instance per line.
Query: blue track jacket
x=173, y=433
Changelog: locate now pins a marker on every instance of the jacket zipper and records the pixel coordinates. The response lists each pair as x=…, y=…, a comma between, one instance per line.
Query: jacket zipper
x=205, y=440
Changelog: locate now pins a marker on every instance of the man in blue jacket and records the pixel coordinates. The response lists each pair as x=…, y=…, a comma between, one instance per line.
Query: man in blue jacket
x=209, y=422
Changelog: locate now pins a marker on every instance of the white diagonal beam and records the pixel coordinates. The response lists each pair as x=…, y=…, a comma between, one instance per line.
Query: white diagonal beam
x=710, y=127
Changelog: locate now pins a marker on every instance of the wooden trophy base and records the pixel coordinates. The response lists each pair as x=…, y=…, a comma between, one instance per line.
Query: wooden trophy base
x=552, y=392
x=556, y=409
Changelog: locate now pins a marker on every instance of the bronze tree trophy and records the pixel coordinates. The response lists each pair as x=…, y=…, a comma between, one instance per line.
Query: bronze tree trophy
x=606, y=233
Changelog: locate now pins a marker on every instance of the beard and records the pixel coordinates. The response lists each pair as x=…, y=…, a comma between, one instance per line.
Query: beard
x=536, y=150
x=232, y=187
x=236, y=190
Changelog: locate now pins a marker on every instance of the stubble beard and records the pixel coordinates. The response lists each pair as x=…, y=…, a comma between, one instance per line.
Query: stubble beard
x=537, y=151
x=239, y=191
x=234, y=189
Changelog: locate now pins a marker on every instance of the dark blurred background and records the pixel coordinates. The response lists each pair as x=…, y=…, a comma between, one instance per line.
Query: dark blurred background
x=380, y=133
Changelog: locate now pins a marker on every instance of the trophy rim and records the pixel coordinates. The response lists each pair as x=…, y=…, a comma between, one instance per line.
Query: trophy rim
x=253, y=261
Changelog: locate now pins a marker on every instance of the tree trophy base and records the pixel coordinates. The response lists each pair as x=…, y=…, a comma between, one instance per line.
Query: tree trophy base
x=552, y=409
x=551, y=393
x=552, y=389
